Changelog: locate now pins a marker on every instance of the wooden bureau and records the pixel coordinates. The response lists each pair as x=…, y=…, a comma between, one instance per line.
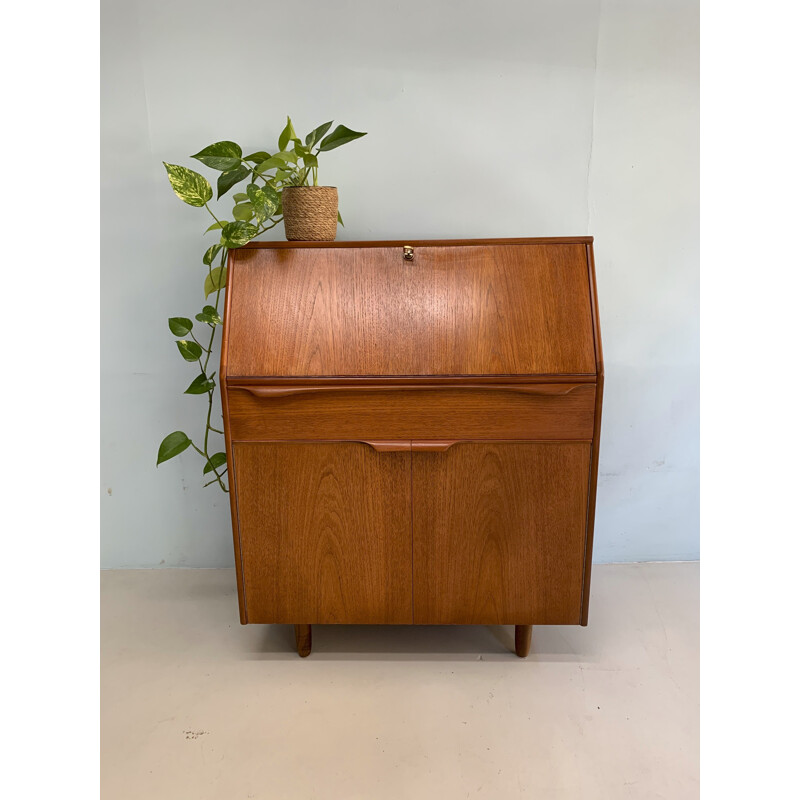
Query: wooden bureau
x=412, y=431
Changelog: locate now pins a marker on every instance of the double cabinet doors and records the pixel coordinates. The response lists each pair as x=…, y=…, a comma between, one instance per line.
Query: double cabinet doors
x=465, y=532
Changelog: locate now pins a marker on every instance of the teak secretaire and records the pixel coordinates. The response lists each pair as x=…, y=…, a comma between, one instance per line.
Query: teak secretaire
x=412, y=431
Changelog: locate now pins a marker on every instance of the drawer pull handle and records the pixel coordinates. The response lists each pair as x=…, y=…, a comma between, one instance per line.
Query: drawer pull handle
x=433, y=446
x=404, y=445
x=390, y=446
x=544, y=390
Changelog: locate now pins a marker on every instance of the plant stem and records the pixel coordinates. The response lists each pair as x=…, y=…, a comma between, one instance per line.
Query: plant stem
x=209, y=428
x=201, y=346
x=211, y=340
x=269, y=227
x=212, y=214
x=217, y=479
x=208, y=425
x=302, y=175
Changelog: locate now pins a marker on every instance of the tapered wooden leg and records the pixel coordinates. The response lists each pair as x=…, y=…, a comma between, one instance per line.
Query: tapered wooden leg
x=522, y=640
x=302, y=637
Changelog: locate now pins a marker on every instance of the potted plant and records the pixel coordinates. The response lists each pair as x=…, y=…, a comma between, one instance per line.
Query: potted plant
x=310, y=211
x=256, y=210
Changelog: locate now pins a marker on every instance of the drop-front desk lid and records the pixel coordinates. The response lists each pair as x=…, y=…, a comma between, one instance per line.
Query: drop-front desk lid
x=475, y=307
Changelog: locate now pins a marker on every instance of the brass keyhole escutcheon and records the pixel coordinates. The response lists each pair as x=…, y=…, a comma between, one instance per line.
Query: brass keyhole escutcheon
x=408, y=252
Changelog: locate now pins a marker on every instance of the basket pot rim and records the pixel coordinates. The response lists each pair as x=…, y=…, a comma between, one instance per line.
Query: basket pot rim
x=287, y=188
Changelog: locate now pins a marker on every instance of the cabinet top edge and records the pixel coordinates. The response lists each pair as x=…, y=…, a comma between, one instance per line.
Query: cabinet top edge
x=280, y=245
x=437, y=381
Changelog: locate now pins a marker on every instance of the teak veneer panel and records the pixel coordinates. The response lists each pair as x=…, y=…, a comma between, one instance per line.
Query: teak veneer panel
x=529, y=240
x=325, y=532
x=413, y=441
x=499, y=533
x=561, y=411
x=479, y=309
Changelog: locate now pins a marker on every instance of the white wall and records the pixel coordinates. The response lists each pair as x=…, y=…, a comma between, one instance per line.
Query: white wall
x=509, y=118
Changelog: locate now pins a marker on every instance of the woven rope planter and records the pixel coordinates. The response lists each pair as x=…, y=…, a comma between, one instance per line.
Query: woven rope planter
x=309, y=213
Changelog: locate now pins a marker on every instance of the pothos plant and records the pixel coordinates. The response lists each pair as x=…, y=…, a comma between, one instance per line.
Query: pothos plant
x=256, y=210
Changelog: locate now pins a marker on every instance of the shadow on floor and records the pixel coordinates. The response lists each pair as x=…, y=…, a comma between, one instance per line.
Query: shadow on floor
x=414, y=642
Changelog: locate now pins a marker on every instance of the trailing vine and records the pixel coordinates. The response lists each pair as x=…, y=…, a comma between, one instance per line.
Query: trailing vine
x=255, y=211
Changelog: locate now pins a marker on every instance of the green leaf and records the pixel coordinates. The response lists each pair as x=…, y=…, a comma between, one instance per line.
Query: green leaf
x=216, y=280
x=173, y=445
x=270, y=163
x=210, y=255
x=189, y=185
x=236, y=234
x=310, y=160
x=287, y=134
x=273, y=198
x=209, y=315
x=341, y=135
x=216, y=226
x=287, y=156
x=221, y=155
x=179, y=326
x=317, y=134
x=257, y=157
x=263, y=200
x=216, y=461
x=339, y=217
x=191, y=351
x=239, y=197
x=200, y=385
x=230, y=178
x=243, y=212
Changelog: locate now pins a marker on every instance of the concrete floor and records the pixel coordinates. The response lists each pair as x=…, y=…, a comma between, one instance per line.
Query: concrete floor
x=196, y=706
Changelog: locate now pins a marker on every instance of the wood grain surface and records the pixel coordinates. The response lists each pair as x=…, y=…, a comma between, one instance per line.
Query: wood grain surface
x=302, y=640
x=231, y=476
x=413, y=441
x=360, y=245
x=484, y=412
x=455, y=310
x=499, y=533
x=325, y=532
x=522, y=640
x=598, y=415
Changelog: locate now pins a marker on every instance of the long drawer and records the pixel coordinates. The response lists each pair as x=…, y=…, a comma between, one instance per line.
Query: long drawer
x=551, y=411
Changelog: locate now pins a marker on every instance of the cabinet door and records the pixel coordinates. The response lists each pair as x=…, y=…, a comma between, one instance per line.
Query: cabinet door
x=325, y=532
x=500, y=532
x=474, y=309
